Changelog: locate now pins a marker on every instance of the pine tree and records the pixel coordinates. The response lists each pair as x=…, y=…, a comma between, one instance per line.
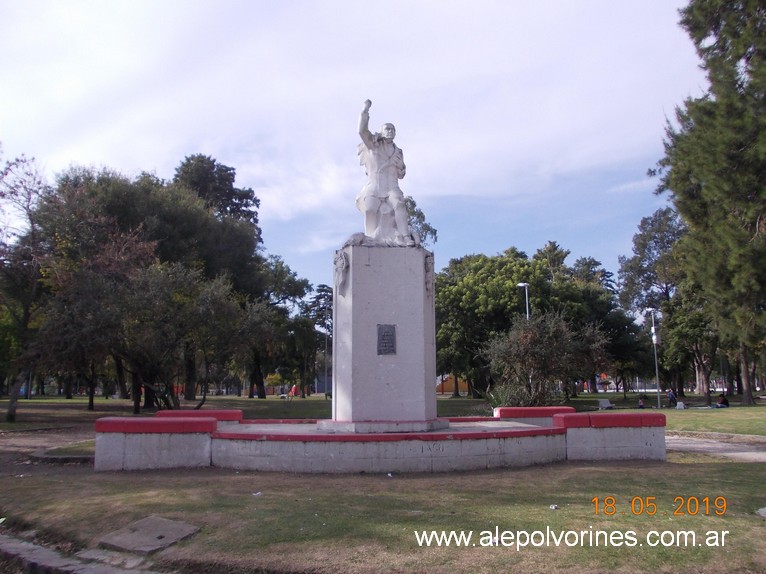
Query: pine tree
x=714, y=170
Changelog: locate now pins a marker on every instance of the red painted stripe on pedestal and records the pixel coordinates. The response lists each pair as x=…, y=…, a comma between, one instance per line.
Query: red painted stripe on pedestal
x=138, y=425
x=609, y=420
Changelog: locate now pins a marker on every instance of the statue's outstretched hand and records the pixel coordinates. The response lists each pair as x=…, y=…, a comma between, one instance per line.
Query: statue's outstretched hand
x=367, y=104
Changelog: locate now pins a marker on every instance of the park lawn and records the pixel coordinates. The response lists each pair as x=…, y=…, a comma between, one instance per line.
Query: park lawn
x=275, y=522
x=367, y=523
x=55, y=412
x=40, y=412
x=734, y=420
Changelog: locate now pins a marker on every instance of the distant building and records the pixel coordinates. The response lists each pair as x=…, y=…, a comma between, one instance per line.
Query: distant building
x=446, y=385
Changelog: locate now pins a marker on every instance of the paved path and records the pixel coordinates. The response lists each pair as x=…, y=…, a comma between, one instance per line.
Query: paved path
x=743, y=448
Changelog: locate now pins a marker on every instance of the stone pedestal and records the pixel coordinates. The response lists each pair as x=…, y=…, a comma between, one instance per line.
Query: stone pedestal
x=384, y=348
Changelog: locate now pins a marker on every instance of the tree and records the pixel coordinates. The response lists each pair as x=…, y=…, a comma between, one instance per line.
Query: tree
x=476, y=297
x=164, y=279
x=21, y=189
x=214, y=184
x=536, y=354
x=258, y=340
x=648, y=278
x=590, y=270
x=319, y=310
x=714, y=171
x=689, y=336
x=86, y=271
x=552, y=256
x=202, y=222
x=418, y=224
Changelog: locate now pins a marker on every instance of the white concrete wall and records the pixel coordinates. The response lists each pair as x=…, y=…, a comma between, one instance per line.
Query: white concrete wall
x=388, y=456
x=139, y=451
x=616, y=443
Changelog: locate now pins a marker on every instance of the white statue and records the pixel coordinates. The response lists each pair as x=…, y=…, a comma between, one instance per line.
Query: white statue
x=381, y=201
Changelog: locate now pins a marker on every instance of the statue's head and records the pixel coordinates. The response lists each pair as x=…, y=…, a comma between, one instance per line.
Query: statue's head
x=388, y=131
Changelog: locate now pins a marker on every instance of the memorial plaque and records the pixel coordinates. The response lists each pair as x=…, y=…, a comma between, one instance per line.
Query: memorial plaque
x=386, y=339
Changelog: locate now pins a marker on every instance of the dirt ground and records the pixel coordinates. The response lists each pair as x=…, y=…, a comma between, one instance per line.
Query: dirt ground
x=17, y=446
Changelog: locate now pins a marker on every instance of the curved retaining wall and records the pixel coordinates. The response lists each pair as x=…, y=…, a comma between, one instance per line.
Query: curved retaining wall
x=437, y=451
x=198, y=439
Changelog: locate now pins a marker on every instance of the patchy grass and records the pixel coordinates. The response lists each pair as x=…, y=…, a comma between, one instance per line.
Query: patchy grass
x=367, y=523
x=81, y=448
x=293, y=523
x=734, y=420
x=40, y=412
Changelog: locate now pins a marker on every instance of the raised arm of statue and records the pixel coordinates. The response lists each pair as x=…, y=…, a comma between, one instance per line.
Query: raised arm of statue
x=364, y=124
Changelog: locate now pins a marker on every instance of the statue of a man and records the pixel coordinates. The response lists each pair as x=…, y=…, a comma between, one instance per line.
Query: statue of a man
x=381, y=201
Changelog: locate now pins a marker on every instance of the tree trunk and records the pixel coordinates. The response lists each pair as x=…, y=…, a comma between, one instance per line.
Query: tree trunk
x=68, y=386
x=257, y=386
x=455, y=386
x=91, y=382
x=747, y=386
x=150, y=397
x=13, y=397
x=91, y=394
x=190, y=367
x=136, y=392
x=119, y=369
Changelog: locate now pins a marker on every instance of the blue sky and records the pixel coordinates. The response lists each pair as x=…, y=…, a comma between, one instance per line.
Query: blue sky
x=521, y=122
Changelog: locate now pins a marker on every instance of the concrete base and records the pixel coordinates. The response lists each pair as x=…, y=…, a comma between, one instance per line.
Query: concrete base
x=466, y=446
x=614, y=436
x=300, y=446
x=138, y=444
x=384, y=345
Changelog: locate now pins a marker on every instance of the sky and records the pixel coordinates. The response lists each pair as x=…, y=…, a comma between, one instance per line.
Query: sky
x=521, y=122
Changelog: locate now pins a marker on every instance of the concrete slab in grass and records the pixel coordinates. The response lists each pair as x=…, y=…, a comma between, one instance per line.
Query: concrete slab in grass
x=148, y=535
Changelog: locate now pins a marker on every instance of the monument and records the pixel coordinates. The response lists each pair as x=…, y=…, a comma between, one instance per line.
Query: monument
x=384, y=379
x=384, y=347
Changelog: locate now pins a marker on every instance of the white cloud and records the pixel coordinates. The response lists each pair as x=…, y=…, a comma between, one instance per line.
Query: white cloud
x=510, y=101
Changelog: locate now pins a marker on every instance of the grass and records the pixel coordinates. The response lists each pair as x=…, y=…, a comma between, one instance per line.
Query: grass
x=367, y=523
x=736, y=420
x=280, y=523
x=81, y=448
x=56, y=412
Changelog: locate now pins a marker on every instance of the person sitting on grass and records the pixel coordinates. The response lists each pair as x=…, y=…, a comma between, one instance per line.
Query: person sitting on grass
x=722, y=403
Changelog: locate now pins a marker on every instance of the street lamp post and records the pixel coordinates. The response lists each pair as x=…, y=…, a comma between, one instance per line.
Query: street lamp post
x=656, y=364
x=526, y=295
